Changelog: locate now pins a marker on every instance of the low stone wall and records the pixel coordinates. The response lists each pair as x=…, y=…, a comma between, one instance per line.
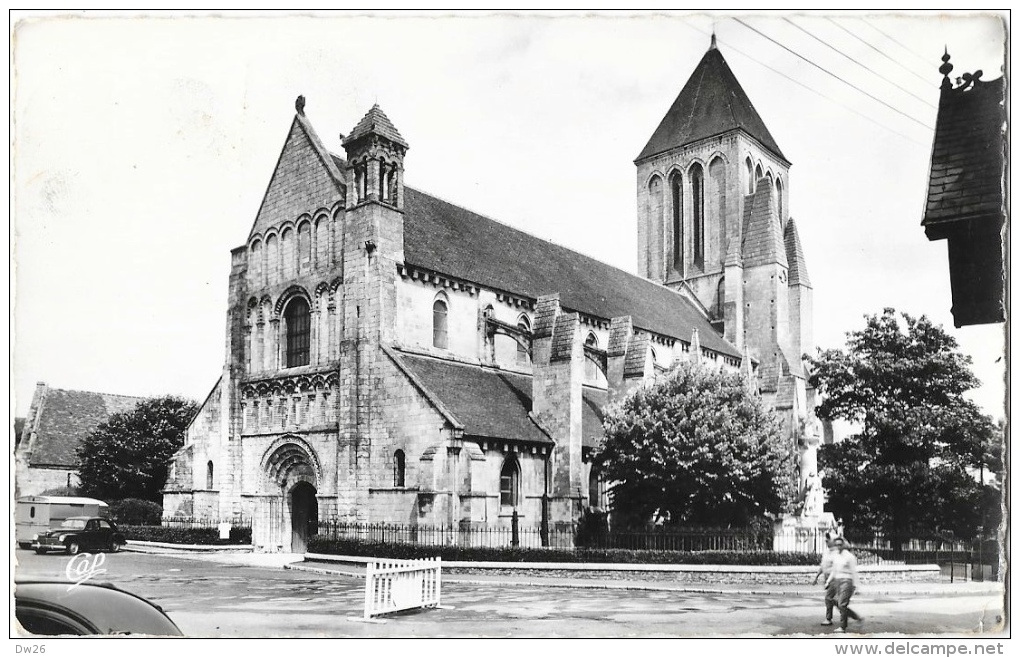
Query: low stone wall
x=688, y=574
x=714, y=576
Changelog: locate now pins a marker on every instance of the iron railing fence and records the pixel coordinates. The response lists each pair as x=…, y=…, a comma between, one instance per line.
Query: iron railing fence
x=959, y=560
x=871, y=548
x=205, y=522
x=447, y=535
x=666, y=538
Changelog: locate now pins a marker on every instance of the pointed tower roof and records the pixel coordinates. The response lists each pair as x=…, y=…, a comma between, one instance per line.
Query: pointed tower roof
x=376, y=122
x=795, y=256
x=711, y=103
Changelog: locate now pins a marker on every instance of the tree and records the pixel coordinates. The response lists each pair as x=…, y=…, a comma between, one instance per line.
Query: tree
x=911, y=469
x=697, y=448
x=128, y=455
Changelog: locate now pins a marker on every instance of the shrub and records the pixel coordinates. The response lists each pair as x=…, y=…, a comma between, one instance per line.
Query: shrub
x=353, y=547
x=176, y=535
x=135, y=511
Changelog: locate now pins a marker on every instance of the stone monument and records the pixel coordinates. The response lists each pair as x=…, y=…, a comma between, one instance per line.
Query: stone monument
x=804, y=530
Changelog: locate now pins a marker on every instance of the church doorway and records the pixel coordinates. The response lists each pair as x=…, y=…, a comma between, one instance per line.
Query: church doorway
x=286, y=510
x=304, y=516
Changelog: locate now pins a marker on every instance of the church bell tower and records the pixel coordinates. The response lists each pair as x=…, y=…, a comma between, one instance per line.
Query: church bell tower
x=713, y=223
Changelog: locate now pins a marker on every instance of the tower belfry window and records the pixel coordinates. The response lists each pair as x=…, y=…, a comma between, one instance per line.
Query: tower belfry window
x=779, y=198
x=698, y=213
x=676, y=186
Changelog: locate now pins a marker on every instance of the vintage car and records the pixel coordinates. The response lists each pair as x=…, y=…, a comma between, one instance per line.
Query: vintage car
x=59, y=608
x=80, y=533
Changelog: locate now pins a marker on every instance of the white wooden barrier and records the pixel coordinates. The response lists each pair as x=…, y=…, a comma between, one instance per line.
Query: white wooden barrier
x=396, y=585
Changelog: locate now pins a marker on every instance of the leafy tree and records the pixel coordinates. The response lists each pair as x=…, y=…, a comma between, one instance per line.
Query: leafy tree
x=697, y=448
x=911, y=469
x=128, y=455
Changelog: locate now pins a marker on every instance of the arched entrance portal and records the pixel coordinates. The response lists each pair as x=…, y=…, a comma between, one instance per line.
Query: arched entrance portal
x=304, y=516
x=286, y=509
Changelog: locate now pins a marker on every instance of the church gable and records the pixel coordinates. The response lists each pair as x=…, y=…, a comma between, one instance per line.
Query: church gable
x=306, y=178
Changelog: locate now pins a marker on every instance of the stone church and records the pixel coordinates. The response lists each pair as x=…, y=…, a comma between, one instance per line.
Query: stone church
x=392, y=357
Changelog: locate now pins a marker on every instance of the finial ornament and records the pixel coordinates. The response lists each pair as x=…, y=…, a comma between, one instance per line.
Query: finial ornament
x=712, y=45
x=946, y=67
x=945, y=70
x=299, y=105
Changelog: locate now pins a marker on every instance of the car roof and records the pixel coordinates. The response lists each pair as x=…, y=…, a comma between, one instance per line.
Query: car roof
x=108, y=608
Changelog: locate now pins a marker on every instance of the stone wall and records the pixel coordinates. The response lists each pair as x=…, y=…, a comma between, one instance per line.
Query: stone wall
x=708, y=575
x=33, y=480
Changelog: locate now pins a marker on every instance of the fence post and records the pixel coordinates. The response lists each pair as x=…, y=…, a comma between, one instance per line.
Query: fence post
x=544, y=527
x=515, y=530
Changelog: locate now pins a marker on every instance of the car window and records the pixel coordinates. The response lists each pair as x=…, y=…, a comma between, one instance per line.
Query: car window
x=105, y=525
x=73, y=524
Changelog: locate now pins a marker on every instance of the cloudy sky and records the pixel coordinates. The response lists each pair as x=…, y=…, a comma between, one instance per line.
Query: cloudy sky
x=142, y=149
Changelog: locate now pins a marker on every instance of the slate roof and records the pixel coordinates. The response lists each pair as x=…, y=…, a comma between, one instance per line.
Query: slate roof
x=66, y=417
x=375, y=121
x=795, y=256
x=967, y=161
x=762, y=239
x=711, y=103
x=494, y=404
x=445, y=238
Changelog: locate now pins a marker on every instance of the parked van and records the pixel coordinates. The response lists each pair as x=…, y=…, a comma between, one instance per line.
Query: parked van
x=37, y=514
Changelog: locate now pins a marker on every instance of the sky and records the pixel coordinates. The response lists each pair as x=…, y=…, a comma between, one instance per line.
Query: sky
x=142, y=147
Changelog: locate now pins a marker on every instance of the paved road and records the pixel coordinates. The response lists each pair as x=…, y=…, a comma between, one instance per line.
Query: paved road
x=215, y=599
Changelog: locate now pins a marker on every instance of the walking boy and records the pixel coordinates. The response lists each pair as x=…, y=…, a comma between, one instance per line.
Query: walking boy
x=843, y=576
x=823, y=570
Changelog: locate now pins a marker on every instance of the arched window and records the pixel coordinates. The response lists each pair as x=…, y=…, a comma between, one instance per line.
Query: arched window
x=510, y=483
x=288, y=259
x=299, y=330
x=322, y=241
x=591, y=369
x=439, y=335
x=596, y=488
x=398, y=468
x=655, y=229
x=720, y=299
x=698, y=213
x=779, y=197
x=716, y=239
x=524, y=324
x=757, y=175
x=209, y=475
x=750, y=176
x=304, y=247
x=676, y=186
x=272, y=259
x=255, y=264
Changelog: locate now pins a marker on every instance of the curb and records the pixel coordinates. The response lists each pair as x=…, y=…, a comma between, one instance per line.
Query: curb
x=139, y=546
x=870, y=592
